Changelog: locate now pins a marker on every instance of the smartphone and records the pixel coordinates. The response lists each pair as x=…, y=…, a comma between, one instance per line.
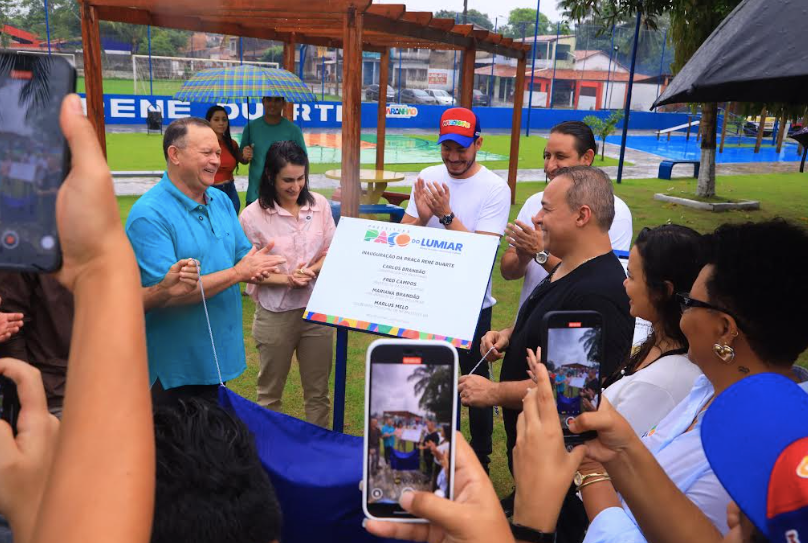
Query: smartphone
x=34, y=159
x=410, y=417
x=9, y=403
x=573, y=354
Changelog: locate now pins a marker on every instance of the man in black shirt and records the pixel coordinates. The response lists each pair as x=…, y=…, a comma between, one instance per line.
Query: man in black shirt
x=577, y=211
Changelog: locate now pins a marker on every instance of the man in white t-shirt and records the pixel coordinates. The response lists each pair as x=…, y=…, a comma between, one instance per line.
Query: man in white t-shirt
x=465, y=196
x=571, y=143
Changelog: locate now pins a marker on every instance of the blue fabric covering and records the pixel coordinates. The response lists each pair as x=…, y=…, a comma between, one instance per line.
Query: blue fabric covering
x=316, y=474
x=402, y=461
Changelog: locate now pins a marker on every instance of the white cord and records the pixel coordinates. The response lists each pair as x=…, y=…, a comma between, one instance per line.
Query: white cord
x=207, y=318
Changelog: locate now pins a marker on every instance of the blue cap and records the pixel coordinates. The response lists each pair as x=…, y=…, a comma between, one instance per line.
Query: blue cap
x=754, y=437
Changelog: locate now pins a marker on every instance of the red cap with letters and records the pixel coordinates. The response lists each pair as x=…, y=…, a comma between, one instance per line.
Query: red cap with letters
x=460, y=125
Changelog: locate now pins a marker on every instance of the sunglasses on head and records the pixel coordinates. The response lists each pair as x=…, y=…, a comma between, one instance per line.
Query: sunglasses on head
x=686, y=302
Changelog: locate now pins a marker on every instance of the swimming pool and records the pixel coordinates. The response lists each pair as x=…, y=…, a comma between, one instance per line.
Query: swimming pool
x=679, y=148
x=327, y=148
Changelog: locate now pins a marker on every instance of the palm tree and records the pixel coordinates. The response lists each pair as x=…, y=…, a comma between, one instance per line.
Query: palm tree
x=433, y=383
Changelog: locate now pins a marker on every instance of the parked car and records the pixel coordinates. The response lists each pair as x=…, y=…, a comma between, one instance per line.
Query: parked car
x=372, y=93
x=480, y=98
x=442, y=97
x=416, y=96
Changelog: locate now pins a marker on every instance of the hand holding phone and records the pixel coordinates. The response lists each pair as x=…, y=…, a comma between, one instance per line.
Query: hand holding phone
x=410, y=416
x=475, y=516
x=33, y=158
x=572, y=354
x=28, y=452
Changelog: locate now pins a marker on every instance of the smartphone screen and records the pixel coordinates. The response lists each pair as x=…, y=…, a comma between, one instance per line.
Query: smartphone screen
x=572, y=352
x=9, y=402
x=33, y=158
x=410, y=416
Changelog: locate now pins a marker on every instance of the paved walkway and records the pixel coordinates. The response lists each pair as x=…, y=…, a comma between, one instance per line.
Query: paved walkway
x=645, y=166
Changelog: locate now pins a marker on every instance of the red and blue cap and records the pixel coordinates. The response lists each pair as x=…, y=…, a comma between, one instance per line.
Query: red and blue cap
x=755, y=436
x=460, y=125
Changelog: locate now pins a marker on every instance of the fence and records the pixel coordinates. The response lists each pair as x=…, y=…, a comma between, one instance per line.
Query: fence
x=585, y=68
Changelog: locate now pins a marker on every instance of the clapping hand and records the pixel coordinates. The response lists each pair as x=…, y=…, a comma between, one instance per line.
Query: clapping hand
x=258, y=264
x=10, y=324
x=522, y=237
x=301, y=277
x=437, y=198
x=421, y=202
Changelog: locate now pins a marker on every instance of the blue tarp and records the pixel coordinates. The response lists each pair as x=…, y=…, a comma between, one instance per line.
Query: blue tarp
x=402, y=461
x=316, y=474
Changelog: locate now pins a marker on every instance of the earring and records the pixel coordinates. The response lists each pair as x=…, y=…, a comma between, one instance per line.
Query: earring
x=724, y=352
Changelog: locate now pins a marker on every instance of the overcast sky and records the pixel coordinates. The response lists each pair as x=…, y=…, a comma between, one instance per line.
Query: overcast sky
x=391, y=390
x=500, y=8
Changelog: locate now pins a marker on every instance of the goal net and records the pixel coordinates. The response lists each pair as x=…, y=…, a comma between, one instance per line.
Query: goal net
x=168, y=73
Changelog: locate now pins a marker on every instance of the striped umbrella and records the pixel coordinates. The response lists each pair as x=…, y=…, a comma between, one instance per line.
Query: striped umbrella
x=242, y=83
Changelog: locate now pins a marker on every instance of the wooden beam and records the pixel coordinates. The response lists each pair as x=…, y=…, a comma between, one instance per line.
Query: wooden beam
x=516, y=125
x=351, y=112
x=417, y=17
x=381, y=116
x=289, y=66
x=467, y=78
x=391, y=11
x=723, y=127
x=458, y=36
x=91, y=43
x=230, y=6
x=480, y=34
x=442, y=24
x=782, y=132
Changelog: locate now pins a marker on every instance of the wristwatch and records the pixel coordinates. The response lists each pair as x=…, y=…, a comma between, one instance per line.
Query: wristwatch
x=523, y=533
x=541, y=258
x=446, y=220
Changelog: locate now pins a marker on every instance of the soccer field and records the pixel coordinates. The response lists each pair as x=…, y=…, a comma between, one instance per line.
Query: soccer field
x=127, y=86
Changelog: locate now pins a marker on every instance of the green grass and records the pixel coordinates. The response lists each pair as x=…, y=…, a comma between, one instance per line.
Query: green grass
x=777, y=193
x=137, y=151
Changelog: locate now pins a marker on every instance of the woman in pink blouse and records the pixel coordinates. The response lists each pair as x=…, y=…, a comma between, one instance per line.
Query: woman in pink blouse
x=300, y=224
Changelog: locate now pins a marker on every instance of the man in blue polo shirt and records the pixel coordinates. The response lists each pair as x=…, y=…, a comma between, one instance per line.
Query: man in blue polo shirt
x=179, y=219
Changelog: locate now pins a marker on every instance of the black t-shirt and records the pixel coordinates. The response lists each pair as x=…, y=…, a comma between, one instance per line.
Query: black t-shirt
x=596, y=285
x=434, y=437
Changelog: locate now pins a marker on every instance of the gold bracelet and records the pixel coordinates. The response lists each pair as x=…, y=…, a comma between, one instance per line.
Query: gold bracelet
x=593, y=481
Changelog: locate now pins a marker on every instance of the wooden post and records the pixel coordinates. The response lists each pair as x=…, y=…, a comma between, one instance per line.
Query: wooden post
x=761, y=127
x=91, y=39
x=689, y=125
x=381, y=119
x=782, y=132
x=724, y=127
x=516, y=125
x=351, y=111
x=467, y=78
x=804, y=124
x=289, y=65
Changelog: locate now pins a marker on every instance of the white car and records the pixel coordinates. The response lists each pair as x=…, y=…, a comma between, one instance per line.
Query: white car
x=442, y=97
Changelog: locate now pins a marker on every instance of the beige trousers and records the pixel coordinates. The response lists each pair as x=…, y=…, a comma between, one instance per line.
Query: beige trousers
x=280, y=335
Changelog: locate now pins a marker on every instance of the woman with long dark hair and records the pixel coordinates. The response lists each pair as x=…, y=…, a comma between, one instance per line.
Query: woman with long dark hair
x=231, y=155
x=663, y=261
x=300, y=224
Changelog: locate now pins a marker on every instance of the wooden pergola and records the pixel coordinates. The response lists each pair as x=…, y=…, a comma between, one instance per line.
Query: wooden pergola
x=352, y=25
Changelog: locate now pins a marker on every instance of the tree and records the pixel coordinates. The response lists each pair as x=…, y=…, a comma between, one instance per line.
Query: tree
x=604, y=127
x=134, y=35
x=434, y=385
x=473, y=17
x=692, y=22
x=165, y=42
x=520, y=18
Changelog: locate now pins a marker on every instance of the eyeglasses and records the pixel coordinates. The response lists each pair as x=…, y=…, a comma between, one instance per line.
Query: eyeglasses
x=686, y=302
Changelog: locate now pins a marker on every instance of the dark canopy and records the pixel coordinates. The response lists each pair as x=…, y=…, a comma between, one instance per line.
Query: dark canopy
x=757, y=54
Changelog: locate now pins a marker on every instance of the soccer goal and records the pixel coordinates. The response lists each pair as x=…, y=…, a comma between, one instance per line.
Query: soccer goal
x=71, y=57
x=169, y=73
